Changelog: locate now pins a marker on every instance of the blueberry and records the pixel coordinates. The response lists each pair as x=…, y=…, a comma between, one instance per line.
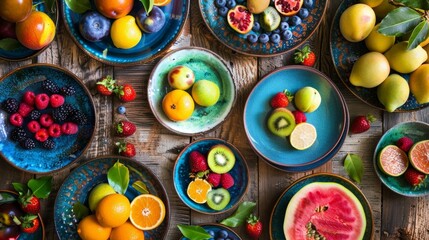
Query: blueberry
x=286, y=35
x=277, y=30
x=285, y=19
x=223, y=11
x=275, y=38
x=308, y=3
x=263, y=38
x=121, y=110
x=220, y=3
x=295, y=20
x=268, y=33
x=223, y=234
x=256, y=26
x=230, y=3
x=284, y=26
x=252, y=38
x=303, y=13
x=211, y=232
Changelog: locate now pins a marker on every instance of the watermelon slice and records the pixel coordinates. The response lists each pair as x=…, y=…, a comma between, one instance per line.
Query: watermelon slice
x=324, y=210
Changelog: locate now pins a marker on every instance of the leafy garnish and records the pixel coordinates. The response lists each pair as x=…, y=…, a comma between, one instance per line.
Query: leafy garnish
x=193, y=232
x=19, y=187
x=240, y=215
x=79, y=6
x=6, y=197
x=80, y=210
x=9, y=44
x=353, y=166
x=148, y=5
x=418, y=35
x=399, y=21
x=420, y=4
x=140, y=187
x=41, y=187
x=118, y=177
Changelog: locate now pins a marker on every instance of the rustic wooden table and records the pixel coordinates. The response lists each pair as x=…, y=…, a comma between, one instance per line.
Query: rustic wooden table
x=396, y=217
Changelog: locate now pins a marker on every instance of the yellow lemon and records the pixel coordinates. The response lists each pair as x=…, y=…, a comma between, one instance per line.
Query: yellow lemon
x=303, y=136
x=125, y=32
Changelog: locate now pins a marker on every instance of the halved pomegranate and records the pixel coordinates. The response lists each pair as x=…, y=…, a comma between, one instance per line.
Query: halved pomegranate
x=288, y=7
x=240, y=19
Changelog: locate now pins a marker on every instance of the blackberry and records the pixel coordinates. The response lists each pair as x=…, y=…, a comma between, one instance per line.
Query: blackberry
x=68, y=90
x=18, y=134
x=10, y=105
x=60, y=114
x=68, y=108
x=35, y=114
x=48, y=144
x=78, y=117
x=27, y=143
x=50, y=86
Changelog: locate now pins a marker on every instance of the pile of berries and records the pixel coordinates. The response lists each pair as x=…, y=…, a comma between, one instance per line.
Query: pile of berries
x=42, y=117
x=108, y=86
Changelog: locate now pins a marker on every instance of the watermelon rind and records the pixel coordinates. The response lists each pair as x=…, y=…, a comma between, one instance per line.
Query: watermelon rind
x=394, y=166
x=337, y=208
x=421, y=164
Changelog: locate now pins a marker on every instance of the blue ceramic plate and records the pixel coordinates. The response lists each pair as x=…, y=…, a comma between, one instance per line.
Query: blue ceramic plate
x=68, y=147
x=39, y=234
x=345, y=53
x=22, y=53
x=150, y=46
x=215, y=227
x=181, y=178
x=220, y=28
x=417, y=131
x=92, y=173
x=330, y=119
x=205, y=65
x=279, y=210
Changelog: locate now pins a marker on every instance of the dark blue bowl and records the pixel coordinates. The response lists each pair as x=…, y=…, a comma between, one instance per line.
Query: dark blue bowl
x=215, y=227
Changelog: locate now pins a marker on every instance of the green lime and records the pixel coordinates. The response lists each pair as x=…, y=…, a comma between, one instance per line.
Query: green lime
x=98, y=193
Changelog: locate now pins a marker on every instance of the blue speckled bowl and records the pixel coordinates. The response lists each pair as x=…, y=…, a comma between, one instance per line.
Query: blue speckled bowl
x=22, y=53
x=215, y=227
x=77, y=186
x=279, y=210
x=205, y=65
x=40, y=232
x=417, y=131
x=181, y=178
x=220, y=28
x=330, y=119
x=345, y=53
x=68, y=147
x=150, y=46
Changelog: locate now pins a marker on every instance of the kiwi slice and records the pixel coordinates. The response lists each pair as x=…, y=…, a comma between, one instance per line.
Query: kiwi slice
x=281, y=122
x=217, y=199
x=270, y=19
x=221, y=159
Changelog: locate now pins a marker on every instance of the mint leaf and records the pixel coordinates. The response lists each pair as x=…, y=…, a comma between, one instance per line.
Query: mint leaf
x=240, y=215
x=399, y=21
x=41, y=187
x=6, y=197
x=79, y=6
x=148, y=5
x=353, y=166
x=418, y=35
x=118, y=177
x=9, y=44
x=80, y=210
x=422, y=4
x=193, y=232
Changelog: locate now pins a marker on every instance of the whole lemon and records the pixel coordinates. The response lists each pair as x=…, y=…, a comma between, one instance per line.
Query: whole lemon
x=125, y=32
x=370, y=70
x=378, y=42
x=356, y=22
x=419, y=84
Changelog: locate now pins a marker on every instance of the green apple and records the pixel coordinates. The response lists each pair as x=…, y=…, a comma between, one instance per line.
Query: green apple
x=205, y=93
x=307, y=99
x=181, y=77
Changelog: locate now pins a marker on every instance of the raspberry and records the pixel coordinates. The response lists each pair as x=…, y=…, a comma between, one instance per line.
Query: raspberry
x=41, y=135
x=213, y=179
x=41, y=101
x=33, y=126
x=10, y=105
x=48, y=144
x=78, y=117
x=197, y=162
x=405, y=143
x=56, y=100
x=29, y=97
x=18, y=134
x=68, y=90
x=16, y=119
x=50, y=86
x=69, y=128
x=55, y=130
x=226, y=180
x=46, y=120
x=299, y=116
x=27, y=143
x=24, y=109
x=35, y=114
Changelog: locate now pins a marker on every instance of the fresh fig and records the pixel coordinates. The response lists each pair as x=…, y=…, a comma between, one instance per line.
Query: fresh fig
x=288, y=7
x=240, y=19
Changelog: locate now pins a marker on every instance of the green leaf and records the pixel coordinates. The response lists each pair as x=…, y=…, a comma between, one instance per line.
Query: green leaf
x=240, y=215
x=9, y=44
x=118, y=177
x=422, y=4
x=353, y=166
x=399, y=21
x=80, y=210
x=193, y=232
x=6, y=197
x=140, y=187
x=79, y=6
x=50, y=4
x=418, y=35
x=20, y=188
x=148, y=5
x=41, y=187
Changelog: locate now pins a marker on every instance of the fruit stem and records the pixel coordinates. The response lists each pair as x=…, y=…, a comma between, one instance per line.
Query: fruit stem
x=371, y=118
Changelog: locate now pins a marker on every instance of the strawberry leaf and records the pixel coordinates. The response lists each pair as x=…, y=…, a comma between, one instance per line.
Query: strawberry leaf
x=399, y=21
x=421, y=4
x=80, y=210
x=78, y=6
x=353, y=166
x=240, y=215
x=148, y=5
x=6, y=197
x=418, y=35
x=118, y=177
x=20, y=188
x=41, y=187
x=193, y=232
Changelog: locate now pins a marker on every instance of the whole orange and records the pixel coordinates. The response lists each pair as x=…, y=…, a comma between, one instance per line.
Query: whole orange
x=114, y=8
x=178, y=105
x=36, y=31
x=126, y=231
x=89, y=229
x=113, y=210
x=15, y=10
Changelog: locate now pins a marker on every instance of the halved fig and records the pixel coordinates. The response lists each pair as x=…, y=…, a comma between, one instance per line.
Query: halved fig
x=288, y=7
x=240, y=19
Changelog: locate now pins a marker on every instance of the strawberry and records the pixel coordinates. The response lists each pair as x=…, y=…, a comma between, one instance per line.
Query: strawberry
x=46, y=120
x=125, y=128
x=299, y=116
x=414, y=177
x=106, y=86
x=41, y=101
x=405, y=143
x=16, y=119
x=362, y=123
x=197, y=162
x=69, y=128
x=30, y=223
x=305, y=56
x=253, y=227
x=126, y=93
x=29, y=203
x=281, y=99
x=24, y=109
x=33, y=126
x=54, y=130
x=56, y=100
x=41, y=135
x=29, y=98
x=213, y=179
x=226, y=180
x=126, y=149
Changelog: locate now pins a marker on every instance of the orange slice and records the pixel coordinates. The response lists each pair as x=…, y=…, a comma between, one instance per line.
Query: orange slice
x=147, y=212
x=161, y=2
x=198, y=189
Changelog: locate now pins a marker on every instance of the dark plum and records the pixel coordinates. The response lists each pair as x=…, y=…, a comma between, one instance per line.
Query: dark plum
x=220, y=3
x=7, y=29
x=295, y=21
x=264, y=38
x=93, y=26
x=275, y=38
x=303, y=12
x=286, y=35
x=152, y=22
x=223, y=11
x=252, y=38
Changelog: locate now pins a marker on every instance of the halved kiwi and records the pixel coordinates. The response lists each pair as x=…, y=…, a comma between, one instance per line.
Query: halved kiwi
x=270, y=19
x=281, y=122
x=218, y=199
x=221, y=159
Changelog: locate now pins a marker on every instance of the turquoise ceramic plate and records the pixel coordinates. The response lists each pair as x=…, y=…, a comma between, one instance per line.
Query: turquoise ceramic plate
x=150, y=46
x=215, y=227
x=220, y=28
x=417, y=131
x=39, y=234
x=21, y=53
x=205, y=65
x=345, y=53
x=279, y=210
x=181, y=178
x=330, y=119
x=68, y=147
x=90, y=174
